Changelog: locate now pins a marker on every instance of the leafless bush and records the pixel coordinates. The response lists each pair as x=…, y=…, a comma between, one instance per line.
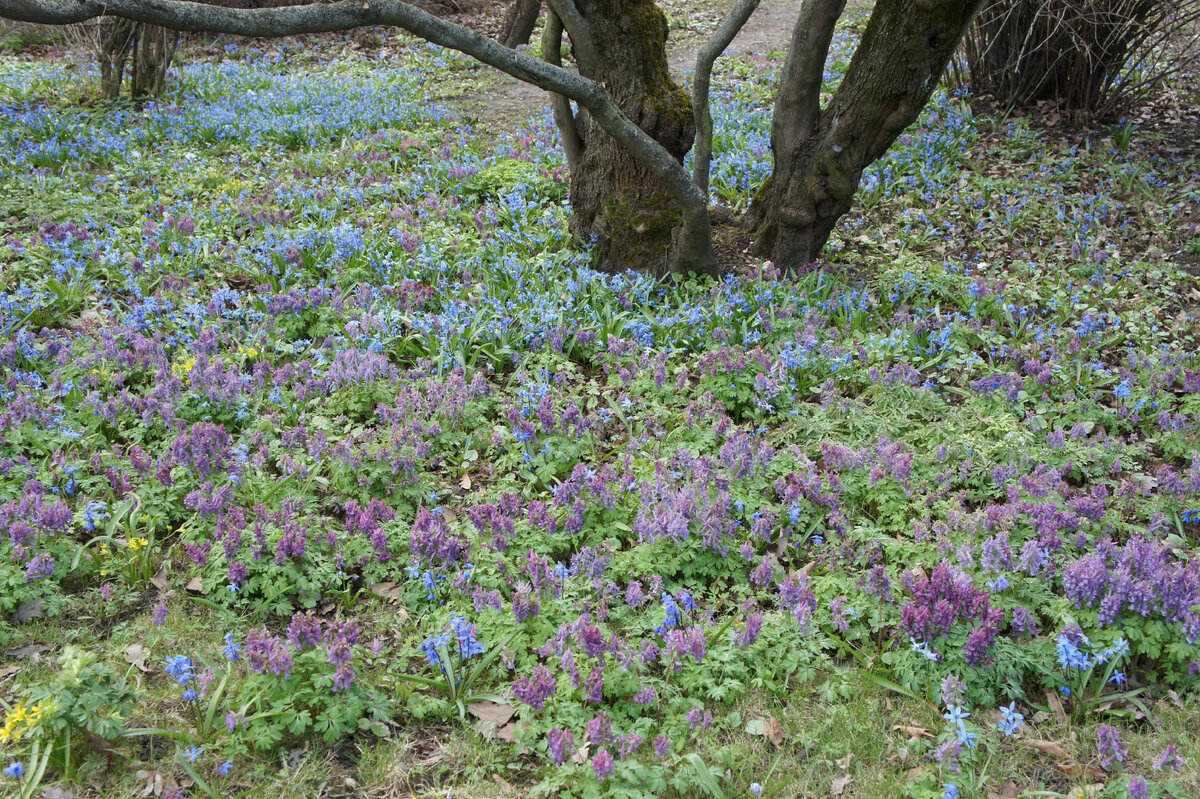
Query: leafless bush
x=1095, y=56
x=114, y=43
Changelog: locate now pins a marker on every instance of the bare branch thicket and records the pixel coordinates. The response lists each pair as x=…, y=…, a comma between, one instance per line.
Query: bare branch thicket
x=1095, y=56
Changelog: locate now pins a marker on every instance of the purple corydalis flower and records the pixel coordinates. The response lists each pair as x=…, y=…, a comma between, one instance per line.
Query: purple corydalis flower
x=662, y=745
x=954, y=690
x=646, y=695
x=1108, y=744
x=599, y=729
x=1169, y=758
x=41, y=565
x=628, y=744
x=749, y=633
x=536, y=689
x=603, y=765
x=593, y=686
x=560, y=743
x=160, y=614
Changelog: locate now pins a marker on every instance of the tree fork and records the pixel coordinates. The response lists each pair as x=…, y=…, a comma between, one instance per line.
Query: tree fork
x=820, y=154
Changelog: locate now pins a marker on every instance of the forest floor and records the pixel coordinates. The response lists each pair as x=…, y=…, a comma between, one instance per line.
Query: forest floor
x=329, y=467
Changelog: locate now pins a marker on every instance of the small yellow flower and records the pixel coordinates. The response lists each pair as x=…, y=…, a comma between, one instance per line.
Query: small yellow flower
x=137, y=543
x=182, y=366
x=11, y=730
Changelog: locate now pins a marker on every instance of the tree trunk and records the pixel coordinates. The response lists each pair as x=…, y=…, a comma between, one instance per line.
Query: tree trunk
x=115, y=38
x=519, y=22
x=153, y=51
x=616, y=200
x=820, y=154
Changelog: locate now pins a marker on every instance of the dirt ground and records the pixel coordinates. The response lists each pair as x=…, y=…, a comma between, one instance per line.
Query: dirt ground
x=769, y=28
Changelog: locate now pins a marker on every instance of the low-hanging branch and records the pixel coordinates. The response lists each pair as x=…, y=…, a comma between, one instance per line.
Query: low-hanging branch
x=321, y=18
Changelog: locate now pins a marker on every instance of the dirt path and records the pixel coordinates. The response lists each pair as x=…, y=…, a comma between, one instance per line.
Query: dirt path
x=769, y=28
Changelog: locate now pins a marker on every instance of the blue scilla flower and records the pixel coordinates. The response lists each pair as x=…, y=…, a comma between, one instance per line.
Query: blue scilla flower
x=230, y=649
x=1071, y=656
x=464, y=632
x=1010, y=719
x=430, y=647
x=192, y=753
x=673, y=615
x=922, y=647
x=225, y=768
x=180, y=667
x=14, y=771
x=955, y=714
x=755, y=789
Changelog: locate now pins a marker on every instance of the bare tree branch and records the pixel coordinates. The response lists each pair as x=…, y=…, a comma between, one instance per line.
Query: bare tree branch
x=729, y=27
x=564, y=117
x=798, y=104
x=581, y=35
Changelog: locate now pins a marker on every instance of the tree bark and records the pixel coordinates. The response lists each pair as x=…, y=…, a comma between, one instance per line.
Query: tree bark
x=616, y=201
x=153, y=50
x=115, y=39
x=519, y=22
x=820, y=154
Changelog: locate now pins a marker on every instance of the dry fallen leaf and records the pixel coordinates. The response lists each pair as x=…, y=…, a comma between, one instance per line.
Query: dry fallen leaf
x=1008, y=790
x=839, y=785
x=1052, y=749
x=135, y=655
x=387, y=590
x=1056, y=706
x=28, y=651
x=774, y=732
x=9, y=671
x=844, y=763
x=913, y=732
x=196, y=585
x=55, y=793
x=581, y=755
x=1077, y=771
x=465, y=482
x=491, y=711
x=28, y=611
x=159, y=580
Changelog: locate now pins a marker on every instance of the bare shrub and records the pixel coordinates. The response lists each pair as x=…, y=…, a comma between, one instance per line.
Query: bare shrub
x=1095, y=56
x=114, y=43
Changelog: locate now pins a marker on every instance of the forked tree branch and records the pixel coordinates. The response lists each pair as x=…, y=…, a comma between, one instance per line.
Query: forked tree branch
x=798, y=104
x=729, y=27
x=580, y=32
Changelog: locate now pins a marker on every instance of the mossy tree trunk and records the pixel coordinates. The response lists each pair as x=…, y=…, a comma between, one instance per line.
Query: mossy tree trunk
x=617, y=200
x=519, y=22
x=820, y=153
